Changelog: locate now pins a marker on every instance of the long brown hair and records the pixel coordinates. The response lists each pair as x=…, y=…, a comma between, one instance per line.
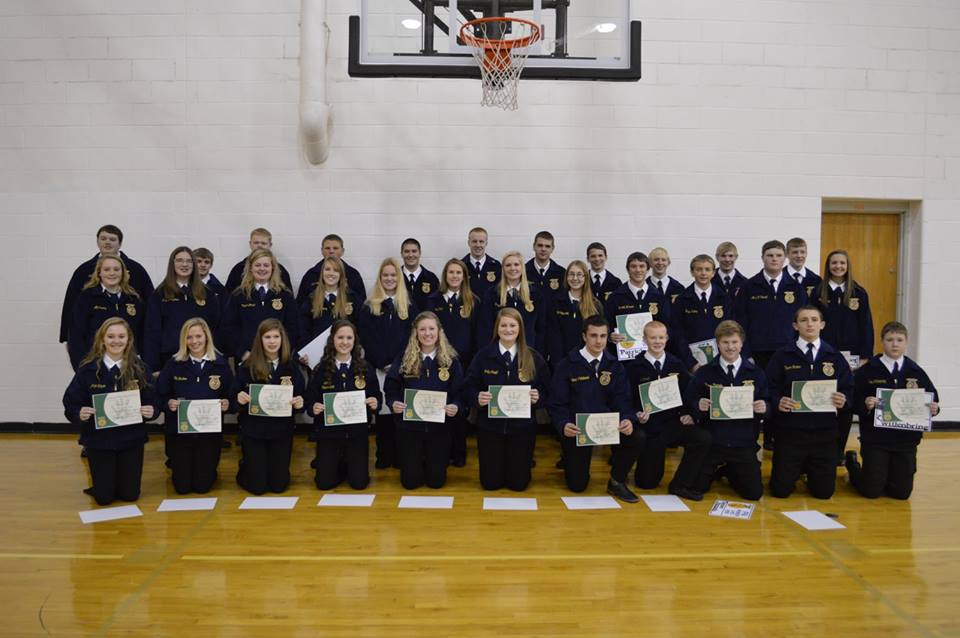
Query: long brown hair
x=169, y=286
x=247, y=283
x=340, y=308
x=848, y=281
x=257, y=362
x=588, y=303
x=410, y=364
x=133, y=375
x=328, y=362
x=125, y=286
x=527, y=367
x=466, y=295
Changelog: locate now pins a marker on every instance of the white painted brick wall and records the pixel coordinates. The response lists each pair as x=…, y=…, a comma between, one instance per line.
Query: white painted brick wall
x=177, y=120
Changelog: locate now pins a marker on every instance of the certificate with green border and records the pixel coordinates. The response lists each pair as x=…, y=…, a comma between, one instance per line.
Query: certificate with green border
x=425, y=405
x=199, y=416
x=728, y=403
x=599, y=428
x=509, y=402
x=272, y=400
x=344, y=408
x=814, y=396
x=660, y=394
x=116, y=409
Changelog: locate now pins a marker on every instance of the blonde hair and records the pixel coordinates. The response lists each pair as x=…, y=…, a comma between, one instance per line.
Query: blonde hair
x=588, y=303
x=524, y=289
x=527, y=367
x=445, y=353
x=379, y=295
x=125, y=286
x=184, y=353
x=466, y=295
x=247, y=283
x=319, y=294
x=726, y=247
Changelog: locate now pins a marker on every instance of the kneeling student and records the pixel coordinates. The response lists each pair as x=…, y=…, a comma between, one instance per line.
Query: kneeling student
x=590, y=380
x=668, y=428
x=734, y=449
x=809, y=439
x=889, y=456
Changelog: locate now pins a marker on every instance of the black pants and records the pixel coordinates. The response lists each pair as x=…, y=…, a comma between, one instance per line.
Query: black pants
x=335, y=455
x=423, y=458
x=576, y=460
x=458, y=438
x=696, y=443
x=769, y=423
x=885, y=471
x=265, y=465
x=810, y=452
x=385, y=429
x=116, y=474
x=505, y=459
x=844, y=421
x=741, y=467
x=193, y=461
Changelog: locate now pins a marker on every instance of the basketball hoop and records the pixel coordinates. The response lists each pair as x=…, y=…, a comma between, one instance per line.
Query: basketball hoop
x=500, y=59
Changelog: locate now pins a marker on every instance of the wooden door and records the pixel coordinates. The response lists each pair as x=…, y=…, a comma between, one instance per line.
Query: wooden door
x=873, y=242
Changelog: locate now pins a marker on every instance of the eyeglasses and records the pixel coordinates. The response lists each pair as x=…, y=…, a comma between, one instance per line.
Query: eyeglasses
x=575, y=275
x=182, y=262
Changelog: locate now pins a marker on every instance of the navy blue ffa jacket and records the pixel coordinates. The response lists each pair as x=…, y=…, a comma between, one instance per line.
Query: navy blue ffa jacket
x=552, y=279
x=623, y=302
x=533, y=319
x=694, y=320
x=736, y=432
x=461, y=331
x=809, y=282
x=312, y=277
x=767, y=317
x=671, y=290
x=432, y=377
x=576, y=389
x=642, y=371
x=216, y=286
x=610, y=283
x=736, y=282
x=139, y=281
x=489, y=368
x=310, y=327
x=182, y=380
x=236, y=276
x=95, y=378
x=243, y=315
x=384, y=336
x=789, y=364
x=484, y=279
x=269, y=427
x=849, y=326
x=421, y=288
x=92, y=308
x=873, y=376
x=347, y=380
x=564, y=325
x=165, y=318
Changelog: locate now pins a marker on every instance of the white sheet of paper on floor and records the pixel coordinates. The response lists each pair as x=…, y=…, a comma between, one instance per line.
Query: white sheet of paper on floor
x=109, y=514
x=590, y=502
x=733, y=509
x=510, y=504
x=269, y=502
x=346, y=500
x=664, y=503
x=426, y=502
x=187, y=504
x=813, y=520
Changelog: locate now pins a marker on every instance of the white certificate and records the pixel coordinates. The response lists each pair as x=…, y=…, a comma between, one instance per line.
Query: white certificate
x=704, y=351
x=114, y=409
x=853, y=360
x=344, y=408
x=814, y=396
x=906, y=409
x=425, y=405
x=199, y=416
x=660, y=394
x=601, y=428
x=631, y=327
x=731, y=402
x=271, y=400
x=509, y=402
x=313, y=351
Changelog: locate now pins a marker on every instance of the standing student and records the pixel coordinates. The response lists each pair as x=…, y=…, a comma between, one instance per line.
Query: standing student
x=343, y=451
x=699, y=309
x=728, y=277
x=458, y=310
x=195, y=372
x=889, y=456
x=267, y=441
x=331, y=246
x=570, y=306
x=330, y=301
x=589, y=380
x=261, y=295
x=635, y=296
x=115, y=454
x=807, y=442
x=669, y=428
x=484, y=269
x=658, y=277
x=541, y=269
x=427, y=363
x=849, y=322
x=384, y=325
x=109, y=240
x=203, y=259
x=106, y=294
x=420, y=282
x=260, y=239
x=513, y=291
x=733, y=452
x=797, y=269
x=506, y=445
x=602, y=281
x=180, y=296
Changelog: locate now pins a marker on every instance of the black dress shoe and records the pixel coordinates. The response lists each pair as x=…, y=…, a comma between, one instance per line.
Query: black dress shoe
x=88, y=491
x=559, y=463
x=459, y=462
x=850, y=459
x=313, y=463
x=687, y=493
x=620, y=491
x=768, y=445
x=83, y=453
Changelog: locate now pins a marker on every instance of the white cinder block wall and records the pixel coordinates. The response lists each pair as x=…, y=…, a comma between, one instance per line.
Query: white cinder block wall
x=177, y=121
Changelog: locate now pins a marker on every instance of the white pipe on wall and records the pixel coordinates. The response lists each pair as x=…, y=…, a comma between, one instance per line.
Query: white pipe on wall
x=314, y=110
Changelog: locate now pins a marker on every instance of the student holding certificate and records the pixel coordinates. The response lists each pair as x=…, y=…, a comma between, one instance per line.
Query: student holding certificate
x=810, y=386
x=513, y=290
x=734, y=450
x=423, y=390
x=889, y=452
x=507, y=382
x=635, y=296
x=114, y=453
x=573, y=303
x=658, y=380
x=590, y=381
x=697, y=312
x=330, y=301
x=267, y=422
x=348, y=385
x=196, y=372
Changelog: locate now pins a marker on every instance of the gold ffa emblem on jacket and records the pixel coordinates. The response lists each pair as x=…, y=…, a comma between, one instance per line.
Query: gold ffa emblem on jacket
x=214, y=382
x=491, y=276
x=718, y=312
x=854, y=303
x=828, y=369
x=554, y=284
x=810, y=291
x=132, y=310
x=443, y=374
x=673, y=298
x=359, y=382
x=912, y=384
x=286, y=380
x=277, y=304
x=654, y=308
x=789, y=296
x=425, y=287
x=605, y=377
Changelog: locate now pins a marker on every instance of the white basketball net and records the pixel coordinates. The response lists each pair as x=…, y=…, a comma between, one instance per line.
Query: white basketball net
x=500, y=59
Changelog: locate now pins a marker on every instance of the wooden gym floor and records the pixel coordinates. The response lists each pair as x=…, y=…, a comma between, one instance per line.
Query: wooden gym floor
x=381, y=571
